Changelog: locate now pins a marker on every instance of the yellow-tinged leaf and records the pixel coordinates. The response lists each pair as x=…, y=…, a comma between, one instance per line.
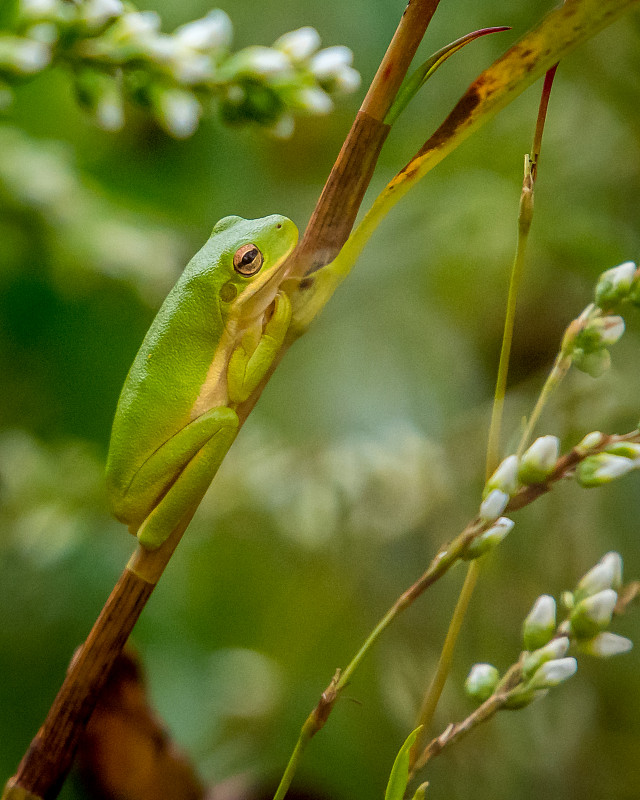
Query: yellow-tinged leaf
x=561, y=31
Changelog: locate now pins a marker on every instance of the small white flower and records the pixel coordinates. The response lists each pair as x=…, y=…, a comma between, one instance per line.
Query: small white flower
x=505, y=477
x=539, y=460
x=606, y=644
x=552, y=673
x=489, y=539
x=137, y=24
x=37, y=9
x=611, y=329
x=329, y=62
x=590, y=442
x=179, y=112
x=109, y=112
x=614, y=284
x=284, y=127
x=261, y=61
x=540, y=623
x=97, y=12
x=347, y=80
x=493, y=505
x=555, y=649
x=607, y=574
x=213, y=32
x=28, y=56
x=299, y=44
x=481, y=681
x=603, y=468
x=314, y=100
x=45, y=32
x=594, y=613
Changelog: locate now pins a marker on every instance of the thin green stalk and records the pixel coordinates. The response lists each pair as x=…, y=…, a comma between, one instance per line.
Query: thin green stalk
x=439, y=679
x=309, y=729
x=525, y=217
x=560, y=368
x=517, y=270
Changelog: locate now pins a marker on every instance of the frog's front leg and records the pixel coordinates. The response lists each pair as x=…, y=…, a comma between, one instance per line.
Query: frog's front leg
x=250, y=361
x=174, y=480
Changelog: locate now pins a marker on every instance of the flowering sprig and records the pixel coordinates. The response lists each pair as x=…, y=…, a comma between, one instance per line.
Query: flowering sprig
x=119, y=54
x=544, y=663
x=588, y=337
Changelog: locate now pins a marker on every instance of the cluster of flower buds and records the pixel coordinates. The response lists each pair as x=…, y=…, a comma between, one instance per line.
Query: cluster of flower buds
x=591, y=606
x=118, y=53
x=544, y=662
x=611, y=462
x=588, y=338
x=617, y=285
x=535, y=466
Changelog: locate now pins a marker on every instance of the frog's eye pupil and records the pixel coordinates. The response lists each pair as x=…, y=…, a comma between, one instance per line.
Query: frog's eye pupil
x=247, y=259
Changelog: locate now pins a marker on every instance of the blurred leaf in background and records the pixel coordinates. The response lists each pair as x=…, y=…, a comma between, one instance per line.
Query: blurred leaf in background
x=366, y=450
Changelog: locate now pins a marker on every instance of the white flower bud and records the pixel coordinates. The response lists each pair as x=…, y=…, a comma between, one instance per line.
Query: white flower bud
x=213, y=32
x=505, y=477
x=178, y=111
x=603, y=468
x=606, y=644
x=258, y=61
x=299, y=44
x=347, y=80
x=539, y=460
x=283, y=129
x=552, y=673
x=110, y=112
x=45, y=32
x=590, y=442
x=594, y=362
x=26, y=56
x=37, y=9
x=607, y=574
x=540, y=624
x=593, y=614
x=314, y=100
x=625, y=449
x=97, y=12
x=481, y=682
x=614, y=284
x=137, y=24
x=555, y=649
x=493, y=505
x=329, y=62
x=609, y=328
x=489, y=539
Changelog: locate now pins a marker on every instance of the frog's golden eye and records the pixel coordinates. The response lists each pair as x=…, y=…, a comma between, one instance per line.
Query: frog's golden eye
x=247, y=259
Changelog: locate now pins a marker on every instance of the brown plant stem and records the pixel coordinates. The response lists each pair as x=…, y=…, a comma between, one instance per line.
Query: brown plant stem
x=49, y=758
x=335, y=212
x=50, y=755
x=47, y=761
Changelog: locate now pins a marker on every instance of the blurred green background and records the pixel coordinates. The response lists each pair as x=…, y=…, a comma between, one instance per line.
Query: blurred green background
x=366, y=450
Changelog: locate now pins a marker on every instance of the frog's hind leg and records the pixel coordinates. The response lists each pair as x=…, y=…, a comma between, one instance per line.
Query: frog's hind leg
x=188, y=489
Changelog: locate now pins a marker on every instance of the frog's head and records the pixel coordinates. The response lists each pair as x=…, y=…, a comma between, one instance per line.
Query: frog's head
x=254, y=253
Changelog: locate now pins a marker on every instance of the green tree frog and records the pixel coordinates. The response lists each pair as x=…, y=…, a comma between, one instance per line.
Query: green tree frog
x=210, y=345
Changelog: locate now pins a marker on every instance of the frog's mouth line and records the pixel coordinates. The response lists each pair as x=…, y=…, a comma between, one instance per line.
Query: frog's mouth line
x=263, y=290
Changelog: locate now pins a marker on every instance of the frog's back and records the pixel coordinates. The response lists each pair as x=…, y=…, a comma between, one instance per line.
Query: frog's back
x=168, y=371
